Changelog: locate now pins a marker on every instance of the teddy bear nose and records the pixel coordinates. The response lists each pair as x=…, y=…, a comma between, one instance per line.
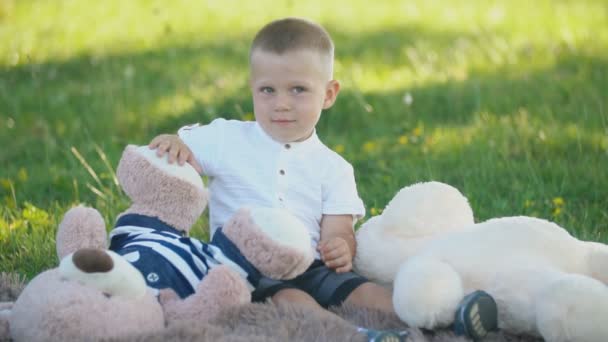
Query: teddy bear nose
x=91, y=260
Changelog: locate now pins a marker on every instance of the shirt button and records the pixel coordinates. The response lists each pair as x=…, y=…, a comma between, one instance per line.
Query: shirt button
x=287, y=146
x=282, y=172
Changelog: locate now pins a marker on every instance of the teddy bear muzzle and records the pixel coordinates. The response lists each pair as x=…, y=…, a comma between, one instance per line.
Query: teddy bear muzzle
x=104, y=270
x=91, y=260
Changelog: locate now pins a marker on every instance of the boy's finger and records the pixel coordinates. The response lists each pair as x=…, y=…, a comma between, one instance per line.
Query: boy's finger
x=154, y=143
x=195, y=164
x=160, y=140
x=346, y=268
x=162, y=148
x=173, y=155
x=327, y=246
x=182, y=156
x=337, y=256
x=337, y=262
x=336, y=249
x=329, y=255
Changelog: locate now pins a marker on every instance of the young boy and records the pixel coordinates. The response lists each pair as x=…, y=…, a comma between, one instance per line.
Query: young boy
x=278, y=161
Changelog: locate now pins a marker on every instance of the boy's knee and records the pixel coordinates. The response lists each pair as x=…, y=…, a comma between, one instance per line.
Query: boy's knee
x=287, y=296
x=371, y=295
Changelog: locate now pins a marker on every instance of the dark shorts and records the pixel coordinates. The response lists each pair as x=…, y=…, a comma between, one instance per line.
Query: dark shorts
x=326, y=286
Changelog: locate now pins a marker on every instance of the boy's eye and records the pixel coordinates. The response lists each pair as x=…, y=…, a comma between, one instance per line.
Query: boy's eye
x=298, y=89
x=267, y=90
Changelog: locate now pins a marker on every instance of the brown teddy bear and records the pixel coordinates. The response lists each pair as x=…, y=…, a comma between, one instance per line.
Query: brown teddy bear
x=99, y=293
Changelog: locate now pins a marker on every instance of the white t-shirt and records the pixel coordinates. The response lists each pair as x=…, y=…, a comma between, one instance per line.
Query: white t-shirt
x=246, y=167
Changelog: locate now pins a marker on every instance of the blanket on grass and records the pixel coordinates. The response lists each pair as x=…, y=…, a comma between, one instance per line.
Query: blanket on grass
x=268, y=322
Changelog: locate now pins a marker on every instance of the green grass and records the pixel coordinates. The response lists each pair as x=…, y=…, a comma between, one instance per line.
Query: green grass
x=506, y=100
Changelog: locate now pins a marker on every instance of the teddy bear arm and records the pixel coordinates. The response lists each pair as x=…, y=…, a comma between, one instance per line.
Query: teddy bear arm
x=572, y=307
x=276, y=260
x=220, y=288
x=426, y=292
x=264, y=243
x=284, y=262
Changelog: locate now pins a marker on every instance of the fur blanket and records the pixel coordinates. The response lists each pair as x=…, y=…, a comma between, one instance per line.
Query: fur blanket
x=268, y=322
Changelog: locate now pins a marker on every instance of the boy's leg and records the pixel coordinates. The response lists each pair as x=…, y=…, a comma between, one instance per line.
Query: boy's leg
x=291, y=295
x=299, y=297
x=372, y=296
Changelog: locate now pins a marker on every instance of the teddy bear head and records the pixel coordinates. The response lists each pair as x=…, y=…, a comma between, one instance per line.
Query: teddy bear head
x=173, y=193
x=416, y=215
x=93, y=293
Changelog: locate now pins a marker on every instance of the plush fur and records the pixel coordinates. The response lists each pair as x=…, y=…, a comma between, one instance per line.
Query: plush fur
x=267, y=322
x=545, y=281
x=72, y=237
x=285, y=255
x=52, y=308
x=173, y=199
x=425, y=209
x=95, y=293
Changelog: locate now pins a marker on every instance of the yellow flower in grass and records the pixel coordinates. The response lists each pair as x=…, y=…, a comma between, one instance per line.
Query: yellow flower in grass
x=557, y=211
x=558, y=202
x=6, y=183
x=369, y=146
x=22, y=174
x=403, y=140
x=339, y=148
x=528, y=203
x=558, y=205
x=375, y=211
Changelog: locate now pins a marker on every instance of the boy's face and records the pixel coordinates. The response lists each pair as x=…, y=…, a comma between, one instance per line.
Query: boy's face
x=289, y=91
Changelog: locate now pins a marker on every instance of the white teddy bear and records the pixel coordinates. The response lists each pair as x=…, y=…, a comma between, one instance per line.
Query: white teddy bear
x=545, y=281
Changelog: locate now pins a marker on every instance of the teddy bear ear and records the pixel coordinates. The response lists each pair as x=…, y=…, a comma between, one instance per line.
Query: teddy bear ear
x=81, y=227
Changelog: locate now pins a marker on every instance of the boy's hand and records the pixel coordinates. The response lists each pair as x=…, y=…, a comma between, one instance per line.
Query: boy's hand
x=336, y=254
x=177, y=150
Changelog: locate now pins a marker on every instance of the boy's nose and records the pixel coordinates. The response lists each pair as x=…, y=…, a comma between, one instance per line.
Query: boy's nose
x=282, y=103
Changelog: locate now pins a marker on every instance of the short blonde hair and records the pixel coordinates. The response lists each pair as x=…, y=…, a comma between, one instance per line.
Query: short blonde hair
x=291, y=34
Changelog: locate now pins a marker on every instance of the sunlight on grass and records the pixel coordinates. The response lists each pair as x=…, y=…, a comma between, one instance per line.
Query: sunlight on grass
x=513, y=129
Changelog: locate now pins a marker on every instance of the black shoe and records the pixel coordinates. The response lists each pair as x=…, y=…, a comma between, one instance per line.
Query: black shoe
x=476, y=316
x=384, y=335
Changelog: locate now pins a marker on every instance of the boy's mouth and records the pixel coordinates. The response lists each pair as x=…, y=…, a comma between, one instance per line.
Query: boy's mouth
x=282, y=121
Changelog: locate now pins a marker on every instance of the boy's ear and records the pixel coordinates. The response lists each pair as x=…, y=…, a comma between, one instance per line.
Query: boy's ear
x=331, y=93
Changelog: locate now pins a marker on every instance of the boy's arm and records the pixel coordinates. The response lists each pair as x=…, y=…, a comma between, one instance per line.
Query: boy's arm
x=177, y=150
x=337, y=245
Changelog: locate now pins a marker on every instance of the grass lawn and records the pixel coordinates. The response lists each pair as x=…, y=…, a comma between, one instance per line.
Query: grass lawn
x=506, y=100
